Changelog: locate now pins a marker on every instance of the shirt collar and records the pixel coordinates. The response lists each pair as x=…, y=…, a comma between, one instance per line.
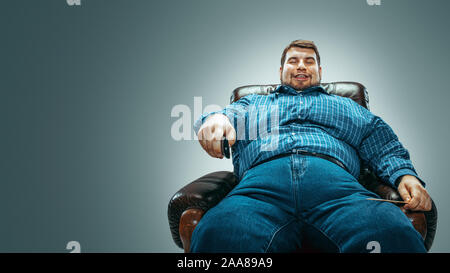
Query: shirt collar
x=290, y=90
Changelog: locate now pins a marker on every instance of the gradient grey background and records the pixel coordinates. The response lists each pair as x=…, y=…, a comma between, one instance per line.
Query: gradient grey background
x=87, y=93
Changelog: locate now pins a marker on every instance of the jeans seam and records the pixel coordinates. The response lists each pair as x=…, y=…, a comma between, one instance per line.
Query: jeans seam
x=275, y=233
x=303, y=167
x=299, y=176
x=294, y=183
x=323, y=233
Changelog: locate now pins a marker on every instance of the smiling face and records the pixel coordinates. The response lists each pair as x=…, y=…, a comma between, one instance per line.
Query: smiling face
x=300, y=69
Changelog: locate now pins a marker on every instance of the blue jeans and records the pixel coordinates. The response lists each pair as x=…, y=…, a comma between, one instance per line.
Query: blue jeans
x=283, y=202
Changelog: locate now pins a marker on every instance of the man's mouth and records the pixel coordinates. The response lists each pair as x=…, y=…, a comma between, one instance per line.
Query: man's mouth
x=301, y=77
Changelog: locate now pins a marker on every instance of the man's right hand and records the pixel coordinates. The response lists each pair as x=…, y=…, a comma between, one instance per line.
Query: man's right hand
x=212, y=132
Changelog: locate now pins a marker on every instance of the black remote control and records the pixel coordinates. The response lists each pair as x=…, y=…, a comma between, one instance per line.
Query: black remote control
x=225, y=148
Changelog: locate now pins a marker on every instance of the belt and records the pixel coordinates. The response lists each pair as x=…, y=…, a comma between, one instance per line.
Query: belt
x=303, y=152
x=324, y=156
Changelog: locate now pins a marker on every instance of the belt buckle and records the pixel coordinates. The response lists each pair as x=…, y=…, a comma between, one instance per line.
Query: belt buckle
x=300, y=151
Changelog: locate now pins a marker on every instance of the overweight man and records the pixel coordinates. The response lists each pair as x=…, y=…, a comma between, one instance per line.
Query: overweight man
x=306, y=185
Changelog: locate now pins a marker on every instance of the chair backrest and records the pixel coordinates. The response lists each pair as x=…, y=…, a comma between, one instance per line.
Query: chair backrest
x=353, y=90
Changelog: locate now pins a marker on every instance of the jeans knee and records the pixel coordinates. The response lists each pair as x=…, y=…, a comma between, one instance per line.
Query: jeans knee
x=212, y=235
x=215, y=235
x=202, y=237
x=397, y=236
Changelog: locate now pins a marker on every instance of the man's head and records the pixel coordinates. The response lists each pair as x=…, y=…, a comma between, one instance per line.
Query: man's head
x=300, y=65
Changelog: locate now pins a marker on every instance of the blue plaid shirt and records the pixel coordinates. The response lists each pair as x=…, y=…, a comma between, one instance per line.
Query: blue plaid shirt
x=315, y=121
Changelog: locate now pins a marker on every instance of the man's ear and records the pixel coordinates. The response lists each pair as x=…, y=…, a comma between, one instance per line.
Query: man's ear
x=320, y=72
x=281, y=71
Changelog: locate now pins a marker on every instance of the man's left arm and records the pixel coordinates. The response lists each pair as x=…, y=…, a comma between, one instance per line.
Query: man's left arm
x=387, y=157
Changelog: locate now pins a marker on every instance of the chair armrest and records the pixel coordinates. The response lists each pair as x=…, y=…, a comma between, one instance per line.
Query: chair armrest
x=431, y=217
x=188, y=221
x=203, y=194
x=425, y=222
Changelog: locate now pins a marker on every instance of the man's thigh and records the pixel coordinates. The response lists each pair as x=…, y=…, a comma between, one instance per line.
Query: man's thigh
x=256, y=216
x=354, y=224
x=333, y=205
x=243, y=224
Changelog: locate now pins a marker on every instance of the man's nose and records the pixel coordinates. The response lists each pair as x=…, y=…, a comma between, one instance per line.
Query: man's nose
x=301, y=65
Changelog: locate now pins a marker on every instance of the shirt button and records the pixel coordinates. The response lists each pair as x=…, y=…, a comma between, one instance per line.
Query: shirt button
x=293, y=134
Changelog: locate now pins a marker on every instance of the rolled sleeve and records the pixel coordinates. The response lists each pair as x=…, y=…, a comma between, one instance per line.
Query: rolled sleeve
x=395, y=178
x=235, y=111
x=199, y=122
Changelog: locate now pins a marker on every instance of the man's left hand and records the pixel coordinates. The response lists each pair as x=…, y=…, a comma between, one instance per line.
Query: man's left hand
x=412, y=191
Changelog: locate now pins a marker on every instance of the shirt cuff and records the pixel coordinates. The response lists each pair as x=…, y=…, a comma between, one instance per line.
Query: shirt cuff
x=199, y=122
x=395, y=178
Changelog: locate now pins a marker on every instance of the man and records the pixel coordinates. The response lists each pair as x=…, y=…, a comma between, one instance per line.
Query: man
x=290, y=193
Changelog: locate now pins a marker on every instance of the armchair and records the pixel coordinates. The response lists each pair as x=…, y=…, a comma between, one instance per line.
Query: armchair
x=188, y=205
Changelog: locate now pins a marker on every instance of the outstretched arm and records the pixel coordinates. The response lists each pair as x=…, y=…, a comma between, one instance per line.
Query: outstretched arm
x=211, y=128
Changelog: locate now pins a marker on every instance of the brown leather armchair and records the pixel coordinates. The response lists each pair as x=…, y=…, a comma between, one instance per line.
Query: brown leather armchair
x=188, y=205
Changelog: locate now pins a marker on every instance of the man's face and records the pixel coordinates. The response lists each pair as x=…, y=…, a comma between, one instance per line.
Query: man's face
x=300, y=69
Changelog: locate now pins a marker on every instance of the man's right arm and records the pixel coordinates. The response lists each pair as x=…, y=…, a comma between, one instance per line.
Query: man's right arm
x=211, y=128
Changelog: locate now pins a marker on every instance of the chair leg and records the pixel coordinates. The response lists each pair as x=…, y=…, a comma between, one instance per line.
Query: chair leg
x=188, y=221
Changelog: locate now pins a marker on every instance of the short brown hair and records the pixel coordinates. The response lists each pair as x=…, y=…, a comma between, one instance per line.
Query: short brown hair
x=302, y=44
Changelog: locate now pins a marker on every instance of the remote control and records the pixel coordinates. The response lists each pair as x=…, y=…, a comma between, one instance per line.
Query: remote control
x=225, y=148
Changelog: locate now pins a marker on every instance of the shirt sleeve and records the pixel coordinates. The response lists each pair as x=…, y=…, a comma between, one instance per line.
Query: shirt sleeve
x=235, y=112
x=384, y=154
